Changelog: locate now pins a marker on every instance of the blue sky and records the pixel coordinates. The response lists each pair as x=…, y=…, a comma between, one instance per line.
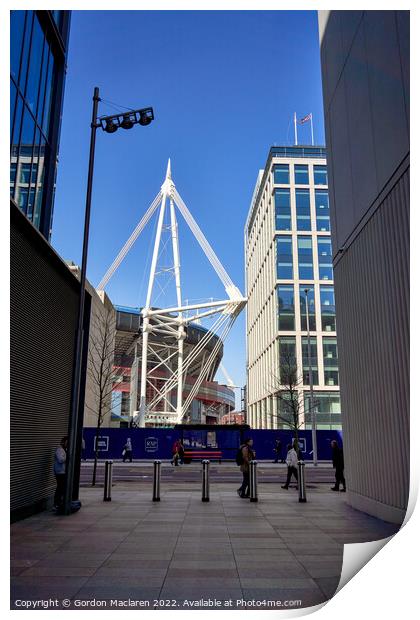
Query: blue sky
x=224, y=86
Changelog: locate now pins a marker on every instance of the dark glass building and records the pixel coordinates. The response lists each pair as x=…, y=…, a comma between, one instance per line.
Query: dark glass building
x=38, y=51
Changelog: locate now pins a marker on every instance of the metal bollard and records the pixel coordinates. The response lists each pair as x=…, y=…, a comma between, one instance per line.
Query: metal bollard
x=253, y=491
x=206, y=483
x=301, y=481
x=108, y=481
x=156, y=481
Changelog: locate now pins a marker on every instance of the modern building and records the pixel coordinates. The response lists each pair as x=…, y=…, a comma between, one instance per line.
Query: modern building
x=288, y=251
x=44, y=293
x=365, y=75
x=212, y=400
x=38, y=54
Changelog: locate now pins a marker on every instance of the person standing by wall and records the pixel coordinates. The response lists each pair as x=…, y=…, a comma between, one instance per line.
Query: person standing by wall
x=338, y=464
x=247, y=455
x=60, y=458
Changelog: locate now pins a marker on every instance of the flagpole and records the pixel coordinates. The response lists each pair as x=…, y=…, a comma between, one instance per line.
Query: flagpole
x=312, y=131
x=295, y=130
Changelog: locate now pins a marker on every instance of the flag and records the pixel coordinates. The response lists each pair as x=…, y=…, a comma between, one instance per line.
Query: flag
x=305, y=119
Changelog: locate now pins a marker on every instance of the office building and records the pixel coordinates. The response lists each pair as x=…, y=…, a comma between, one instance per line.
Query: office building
x=288, y=251
x=365, y=76
x=38, y=51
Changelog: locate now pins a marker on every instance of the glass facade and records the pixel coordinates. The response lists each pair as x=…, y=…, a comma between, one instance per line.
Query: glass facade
x=322, y=210
x=328, y=410
x=303, y=209
x=281, y=174
x=327, y=299
x=301, y=174
x=313, y=360
x=311, y=308
x=282, y=208
x=285, y=308
x=325, y=258
x=330, y=361
x=36, y=81
x=320, y=175
x=284, y=258
x=305, y=258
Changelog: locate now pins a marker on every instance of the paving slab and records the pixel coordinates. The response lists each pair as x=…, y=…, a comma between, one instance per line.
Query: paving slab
x=182, y=549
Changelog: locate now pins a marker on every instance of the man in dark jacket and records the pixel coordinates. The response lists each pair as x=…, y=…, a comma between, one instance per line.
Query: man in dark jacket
x=338, y=464
x=248, y=455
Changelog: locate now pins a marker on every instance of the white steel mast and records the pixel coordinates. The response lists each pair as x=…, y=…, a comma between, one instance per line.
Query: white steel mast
x=163, y=365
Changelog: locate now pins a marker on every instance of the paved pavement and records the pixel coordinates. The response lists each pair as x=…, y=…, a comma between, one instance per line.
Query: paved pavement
x=181, y=552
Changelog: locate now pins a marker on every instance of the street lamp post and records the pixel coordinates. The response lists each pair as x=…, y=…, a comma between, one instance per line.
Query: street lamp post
x=109, y=124
x=311, y=385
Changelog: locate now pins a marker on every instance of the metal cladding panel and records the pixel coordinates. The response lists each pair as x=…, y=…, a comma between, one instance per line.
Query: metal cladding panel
x=43, y=322
x=372, y=302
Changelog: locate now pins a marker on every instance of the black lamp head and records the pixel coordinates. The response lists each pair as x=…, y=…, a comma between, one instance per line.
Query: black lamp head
x=146, y=116
x=127, y=121
x=110, y=126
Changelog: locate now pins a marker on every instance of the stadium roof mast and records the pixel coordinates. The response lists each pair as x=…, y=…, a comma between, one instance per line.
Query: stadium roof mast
x=173, y=321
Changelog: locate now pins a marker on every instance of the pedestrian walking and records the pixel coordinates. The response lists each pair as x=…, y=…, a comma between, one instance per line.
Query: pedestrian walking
x=181, y=452
x=338, y=464
x=277, y=450
x=128, y=451
x=60, y=458
x=292, y=463
x=175, y=453
x=244, y=456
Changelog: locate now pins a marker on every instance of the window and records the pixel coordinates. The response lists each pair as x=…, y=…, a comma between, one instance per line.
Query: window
x=311, y=308
x=281, y=174
x=320, y=175
x=284, y=258
x=286, y=308
x=287, y=405
x=301, y=174
x=26, y=172
x=26, y=47
x=322, y=210
x=309, y=362
x=306, y=271
x=282, y=208
x=17, y=26
x=328, y=410
x=287, y=351
x=303, y=209
x=12, y=173
x=325, y=258
x=34, y=72
x=330, y=361
x=22, y=198
x=327, y=308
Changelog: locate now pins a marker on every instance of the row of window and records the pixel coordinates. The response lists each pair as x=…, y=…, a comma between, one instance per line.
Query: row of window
x=281, y=174
x=286, y=308
x=32, y=74
x=283, y=211
x=309, y=361
x=284, y=249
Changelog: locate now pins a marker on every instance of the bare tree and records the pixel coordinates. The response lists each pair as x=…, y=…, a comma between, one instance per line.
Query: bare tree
x=290, y=409
x=101, y=369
